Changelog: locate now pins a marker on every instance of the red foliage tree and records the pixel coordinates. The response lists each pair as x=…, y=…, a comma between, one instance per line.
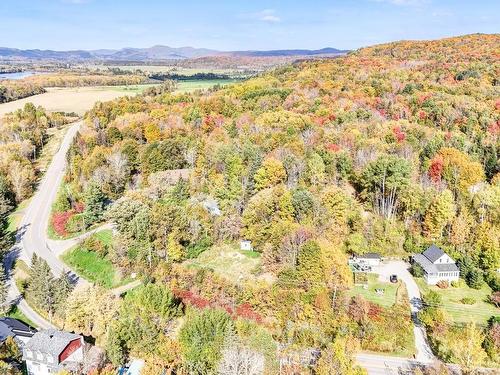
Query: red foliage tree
x=59, y=221
x=398, y=133
x=436, y=169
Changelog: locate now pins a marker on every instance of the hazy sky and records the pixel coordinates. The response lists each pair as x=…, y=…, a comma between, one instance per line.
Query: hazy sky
x=237, y=25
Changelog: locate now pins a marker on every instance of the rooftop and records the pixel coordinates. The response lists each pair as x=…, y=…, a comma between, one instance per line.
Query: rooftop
x=433, y=253
x=51, y=341
x=432, y=268
x=369, y=256
x=13, y=327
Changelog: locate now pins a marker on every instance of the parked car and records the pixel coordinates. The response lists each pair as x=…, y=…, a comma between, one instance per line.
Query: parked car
x=393, y=279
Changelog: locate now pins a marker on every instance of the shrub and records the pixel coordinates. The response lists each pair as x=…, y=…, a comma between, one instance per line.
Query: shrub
x=495, y=299
x=443, y=284
x=432, y=298
x=94, y=244
x=468, y=301
x=474, y=278
x=417, y=270
x=75, y=224
x=195, y=249
x=59, y=221
x=493, y=280
x=458, y=284
x=61, y=203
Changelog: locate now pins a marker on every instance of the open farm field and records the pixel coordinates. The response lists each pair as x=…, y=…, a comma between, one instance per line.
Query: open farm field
x=78, y=99
x=81, y=99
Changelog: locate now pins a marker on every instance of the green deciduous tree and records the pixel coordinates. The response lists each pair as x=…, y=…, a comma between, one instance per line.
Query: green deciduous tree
x=466, y=348
x=202, y=338
x=439, y=214
x=382, y=181
x=271, y=173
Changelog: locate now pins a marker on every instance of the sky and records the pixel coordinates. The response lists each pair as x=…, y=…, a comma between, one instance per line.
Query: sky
x=237, y=25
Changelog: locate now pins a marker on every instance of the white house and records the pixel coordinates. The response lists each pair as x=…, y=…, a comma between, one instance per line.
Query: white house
x=437, y=265
x=49, y=351
x=368, y=259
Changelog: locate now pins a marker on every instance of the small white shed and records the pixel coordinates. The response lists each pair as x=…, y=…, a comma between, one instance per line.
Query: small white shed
x=370, y=259
x=246, y=245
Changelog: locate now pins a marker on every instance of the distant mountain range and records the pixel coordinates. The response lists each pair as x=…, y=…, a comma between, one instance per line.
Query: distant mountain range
x=151, y=54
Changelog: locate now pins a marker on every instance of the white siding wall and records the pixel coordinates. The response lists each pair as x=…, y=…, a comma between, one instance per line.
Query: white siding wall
x=434, y=279
x=37, y=368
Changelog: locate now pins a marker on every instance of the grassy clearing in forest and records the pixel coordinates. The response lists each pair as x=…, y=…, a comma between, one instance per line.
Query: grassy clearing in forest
x=228, y=261
x=94, y=266
x=387, y=299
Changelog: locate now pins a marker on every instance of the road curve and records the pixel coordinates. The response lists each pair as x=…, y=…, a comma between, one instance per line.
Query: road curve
x=31, y=237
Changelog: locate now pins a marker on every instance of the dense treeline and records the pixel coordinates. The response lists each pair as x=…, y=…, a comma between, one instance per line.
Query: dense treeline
x=388, y=149
x=81, y=80
x=11, y=90
x=191, y=77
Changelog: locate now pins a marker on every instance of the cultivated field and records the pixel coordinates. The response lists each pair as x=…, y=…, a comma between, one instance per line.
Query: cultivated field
x=77, y=100
x=81, y=99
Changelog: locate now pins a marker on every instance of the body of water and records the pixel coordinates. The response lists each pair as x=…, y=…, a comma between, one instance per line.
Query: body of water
x=17, y=75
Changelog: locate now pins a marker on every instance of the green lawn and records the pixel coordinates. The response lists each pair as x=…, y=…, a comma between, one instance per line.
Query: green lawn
x=105, y=236
x=15, y=313
x=228, y=261
x=386, y=300
x=92, y=265
x=478, y=313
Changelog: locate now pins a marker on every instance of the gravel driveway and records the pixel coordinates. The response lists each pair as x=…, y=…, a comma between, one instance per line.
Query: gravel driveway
x=400, y=268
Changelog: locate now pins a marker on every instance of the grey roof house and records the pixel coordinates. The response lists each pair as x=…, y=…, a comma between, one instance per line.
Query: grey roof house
x=18, y=330
x=50, y=351
x=437, y=265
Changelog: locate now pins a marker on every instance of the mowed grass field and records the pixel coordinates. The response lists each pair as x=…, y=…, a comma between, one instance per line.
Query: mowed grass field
x=387, y=299
x=479, y=312
x=94, y=266
x=81, y=99
x=228, y=261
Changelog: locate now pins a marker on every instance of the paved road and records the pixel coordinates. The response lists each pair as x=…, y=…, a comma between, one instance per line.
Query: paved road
x=32, y=234
x=377, y=364
x=33, y=228
x=383, y=365
x=400, y=268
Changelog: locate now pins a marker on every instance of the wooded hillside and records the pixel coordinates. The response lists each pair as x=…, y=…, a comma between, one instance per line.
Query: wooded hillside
x=389, y=149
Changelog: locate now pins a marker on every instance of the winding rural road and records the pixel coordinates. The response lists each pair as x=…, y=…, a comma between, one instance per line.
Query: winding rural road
x=32, y=238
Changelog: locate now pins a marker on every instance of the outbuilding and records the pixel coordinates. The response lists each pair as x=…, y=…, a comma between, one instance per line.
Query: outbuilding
x=368, y=259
